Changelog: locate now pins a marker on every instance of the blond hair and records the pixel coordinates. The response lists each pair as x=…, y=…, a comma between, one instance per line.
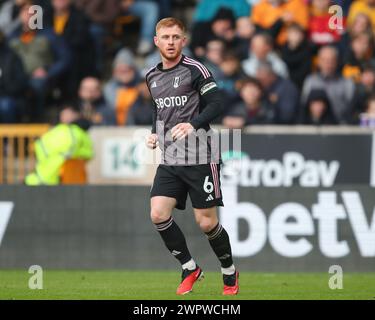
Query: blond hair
x=170, y=22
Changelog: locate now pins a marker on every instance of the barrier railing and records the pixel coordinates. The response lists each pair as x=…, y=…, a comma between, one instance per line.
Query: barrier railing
x=17, y=150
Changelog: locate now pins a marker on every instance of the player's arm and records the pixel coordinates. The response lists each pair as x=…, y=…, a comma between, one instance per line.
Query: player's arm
x=210, y=95
x=152, y=139
x=205, y=84
x=154, y=114
x=213, y=109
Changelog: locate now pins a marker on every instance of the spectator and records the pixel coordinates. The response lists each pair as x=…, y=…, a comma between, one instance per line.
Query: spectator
x=318, y=110
x=364, y=90
x=206, y=10
x=92, y=104
x=212, y=18
x=319, y=31
x=262, y=50
x=9, y=16
x=253, y=109
x=361, y=53
x=148, y=12
x=13, y=81
x=44, y=56
x=225, y=68
x=367, y=118
x=214, y=56
x=280, y=92
x=339, y=89
x=370, y=109
x=73, y=26
x=141, y=111
x=297, y=54
x=273, y=16
x=221, y=27
x=62, y=152
x=121, y=91
x=366, y=7
x=245, y=30
x=102, y=14
x=231, y=73
x=360, y=24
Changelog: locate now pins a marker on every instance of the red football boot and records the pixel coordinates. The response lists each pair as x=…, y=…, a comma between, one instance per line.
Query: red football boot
x=231, y=286
x=189, y=277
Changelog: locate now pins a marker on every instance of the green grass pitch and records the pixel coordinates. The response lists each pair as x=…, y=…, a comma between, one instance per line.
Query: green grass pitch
x=149, y=285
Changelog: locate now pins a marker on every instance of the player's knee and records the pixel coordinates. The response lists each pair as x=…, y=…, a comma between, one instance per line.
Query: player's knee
x=206, y=224
x=158, y=216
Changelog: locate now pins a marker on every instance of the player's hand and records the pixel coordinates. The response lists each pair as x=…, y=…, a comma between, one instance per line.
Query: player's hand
x=181, y=130
x=152, y=141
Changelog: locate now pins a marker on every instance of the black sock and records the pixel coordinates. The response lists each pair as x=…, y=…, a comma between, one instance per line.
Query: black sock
x=174, y=240
x=219, y=241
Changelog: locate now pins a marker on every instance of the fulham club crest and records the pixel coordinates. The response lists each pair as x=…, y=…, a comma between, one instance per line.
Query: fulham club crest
x=176, y=82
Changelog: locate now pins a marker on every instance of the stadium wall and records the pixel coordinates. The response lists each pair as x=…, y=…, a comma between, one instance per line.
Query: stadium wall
x=104, y=227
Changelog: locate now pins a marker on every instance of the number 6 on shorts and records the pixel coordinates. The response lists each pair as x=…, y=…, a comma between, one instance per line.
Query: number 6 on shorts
x=208, y=187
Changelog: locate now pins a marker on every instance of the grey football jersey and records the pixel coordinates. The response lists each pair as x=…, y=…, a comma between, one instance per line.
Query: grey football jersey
x=177, y=95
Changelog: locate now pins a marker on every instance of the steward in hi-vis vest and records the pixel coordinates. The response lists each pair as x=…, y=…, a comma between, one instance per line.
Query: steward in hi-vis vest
x=62, y=143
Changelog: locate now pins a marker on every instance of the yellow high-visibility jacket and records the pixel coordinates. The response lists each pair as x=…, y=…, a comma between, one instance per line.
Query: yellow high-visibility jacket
x=63, y=142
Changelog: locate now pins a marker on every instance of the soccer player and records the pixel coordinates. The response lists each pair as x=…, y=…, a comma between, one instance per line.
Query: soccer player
x=186, y=100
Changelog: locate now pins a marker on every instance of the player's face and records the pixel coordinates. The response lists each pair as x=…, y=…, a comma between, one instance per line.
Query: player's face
x=170, y=41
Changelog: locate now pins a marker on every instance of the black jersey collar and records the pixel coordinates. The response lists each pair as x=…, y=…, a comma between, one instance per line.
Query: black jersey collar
x=160, y=65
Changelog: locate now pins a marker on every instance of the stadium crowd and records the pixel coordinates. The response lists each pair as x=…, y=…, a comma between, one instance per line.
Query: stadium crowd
x=275, y=61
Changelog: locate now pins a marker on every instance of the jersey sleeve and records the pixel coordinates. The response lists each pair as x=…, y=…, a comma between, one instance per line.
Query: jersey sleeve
x=202, y=80
x=154, y=110
x=204, y=83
